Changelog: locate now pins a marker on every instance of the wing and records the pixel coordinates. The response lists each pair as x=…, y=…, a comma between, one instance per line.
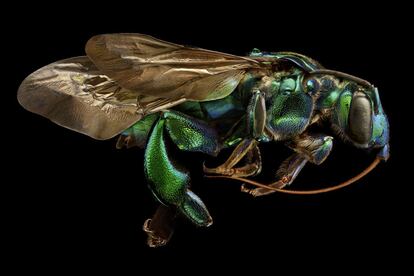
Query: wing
x=75, y=94
x=126, y=77
x=162, y=69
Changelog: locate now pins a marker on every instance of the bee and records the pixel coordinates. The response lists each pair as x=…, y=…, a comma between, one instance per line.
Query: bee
x=158, y=95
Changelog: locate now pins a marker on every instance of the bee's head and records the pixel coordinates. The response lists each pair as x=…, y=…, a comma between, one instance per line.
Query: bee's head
x=354, y=108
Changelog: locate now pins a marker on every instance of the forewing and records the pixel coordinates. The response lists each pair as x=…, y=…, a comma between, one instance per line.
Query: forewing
x=75, y=94
x=158, y=68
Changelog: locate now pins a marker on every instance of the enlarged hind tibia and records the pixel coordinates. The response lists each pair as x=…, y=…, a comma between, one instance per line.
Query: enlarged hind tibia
x=169, y=181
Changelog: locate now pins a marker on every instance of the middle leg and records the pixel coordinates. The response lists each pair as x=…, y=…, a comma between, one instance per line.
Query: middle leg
x=255, y=124
x=308, y=148
x=247, y=149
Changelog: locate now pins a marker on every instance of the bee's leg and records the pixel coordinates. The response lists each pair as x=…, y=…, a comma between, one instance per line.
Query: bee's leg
x=170, y=182
x=287, y=173
x=256, y=118
x=247, y=148
x=160, y=227
x=314, y=149
x=253, y=164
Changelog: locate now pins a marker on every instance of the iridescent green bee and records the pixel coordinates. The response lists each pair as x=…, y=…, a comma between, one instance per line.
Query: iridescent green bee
x=159, y=95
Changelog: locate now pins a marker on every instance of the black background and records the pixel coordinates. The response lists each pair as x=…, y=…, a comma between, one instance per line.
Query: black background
x=76, y=201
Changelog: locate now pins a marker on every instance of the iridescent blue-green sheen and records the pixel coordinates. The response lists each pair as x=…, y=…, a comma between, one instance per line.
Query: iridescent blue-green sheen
x=167, y=182
x=290, y=110
x=191, y=134
x=323, y=151
x=380, y=129
x=140, y=130
x=342, y=109
x=329, y=100
x=194, y=209
x=300, y=60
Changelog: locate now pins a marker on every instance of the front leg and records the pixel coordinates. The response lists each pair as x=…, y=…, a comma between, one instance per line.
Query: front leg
x=312, y=148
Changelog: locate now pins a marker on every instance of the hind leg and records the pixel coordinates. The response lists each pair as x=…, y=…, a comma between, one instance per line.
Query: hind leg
x=160, y=227
x=170, y=182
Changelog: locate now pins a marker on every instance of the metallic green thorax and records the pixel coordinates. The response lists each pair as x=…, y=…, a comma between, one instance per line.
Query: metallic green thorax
x=290, y=109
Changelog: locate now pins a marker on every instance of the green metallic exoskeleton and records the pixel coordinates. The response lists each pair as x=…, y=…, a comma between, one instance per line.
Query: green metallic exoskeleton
x=160, y=96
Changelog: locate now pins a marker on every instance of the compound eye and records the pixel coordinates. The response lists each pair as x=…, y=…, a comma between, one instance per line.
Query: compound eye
x=360, y=118
x=312, y=86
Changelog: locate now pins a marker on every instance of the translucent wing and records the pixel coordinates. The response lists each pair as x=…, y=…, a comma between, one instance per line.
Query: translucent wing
x=158, y=68
x=75, y=94
x=126, y=77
